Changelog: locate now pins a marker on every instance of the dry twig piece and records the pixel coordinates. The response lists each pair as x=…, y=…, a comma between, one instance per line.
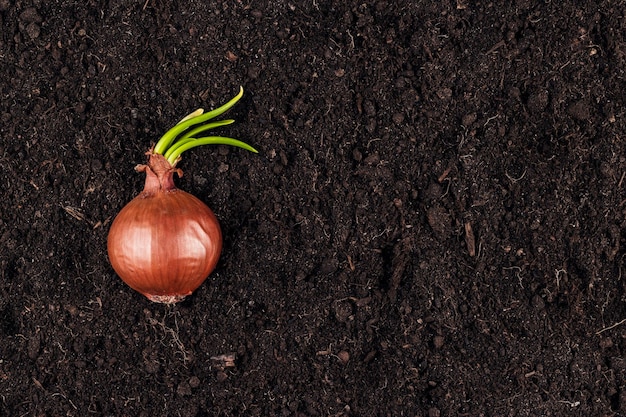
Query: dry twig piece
x=469, y=239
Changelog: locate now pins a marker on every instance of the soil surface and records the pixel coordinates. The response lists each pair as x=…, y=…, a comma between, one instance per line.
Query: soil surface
x=434, y=225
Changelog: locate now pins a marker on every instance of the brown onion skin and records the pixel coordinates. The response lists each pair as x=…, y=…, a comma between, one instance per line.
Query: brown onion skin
x=165, y=242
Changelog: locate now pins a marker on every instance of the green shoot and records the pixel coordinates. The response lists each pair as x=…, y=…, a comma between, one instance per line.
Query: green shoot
x=184, y=135
x=210, y=140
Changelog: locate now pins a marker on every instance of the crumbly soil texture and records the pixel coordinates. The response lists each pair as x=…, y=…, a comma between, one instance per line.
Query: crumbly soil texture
x=434, y=224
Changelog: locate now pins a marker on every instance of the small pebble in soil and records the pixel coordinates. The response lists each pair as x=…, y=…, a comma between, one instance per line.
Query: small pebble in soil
x=343, y=356
x=33, y=30
x=370, y=356
x=222, y=168
x=183, y=389
x=468, y=119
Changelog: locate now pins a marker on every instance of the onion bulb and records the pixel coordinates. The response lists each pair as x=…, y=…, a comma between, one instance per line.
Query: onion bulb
x=166, y=242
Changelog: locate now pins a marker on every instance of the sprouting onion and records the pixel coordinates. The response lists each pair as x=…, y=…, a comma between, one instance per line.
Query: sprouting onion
x=165, y=242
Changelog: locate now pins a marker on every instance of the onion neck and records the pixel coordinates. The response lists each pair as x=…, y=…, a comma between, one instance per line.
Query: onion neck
x=159, y=174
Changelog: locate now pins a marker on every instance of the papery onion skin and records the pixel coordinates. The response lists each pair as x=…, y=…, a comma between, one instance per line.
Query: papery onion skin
x=165, y=242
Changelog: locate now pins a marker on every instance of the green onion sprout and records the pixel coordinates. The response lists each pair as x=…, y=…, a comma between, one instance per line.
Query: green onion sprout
x=186, y=134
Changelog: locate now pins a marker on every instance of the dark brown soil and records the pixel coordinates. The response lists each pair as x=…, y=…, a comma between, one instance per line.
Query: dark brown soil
x=435, y=224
